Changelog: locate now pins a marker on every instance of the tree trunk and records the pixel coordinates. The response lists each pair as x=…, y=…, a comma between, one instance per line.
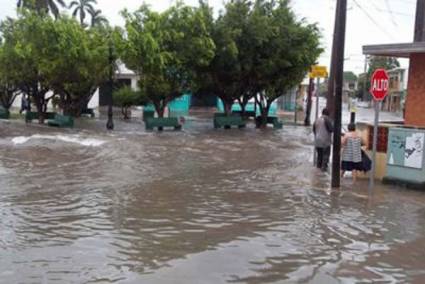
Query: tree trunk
x=264, y=114
x=242, y=104
x=228, y=107
x=160, y=108
x=124, y=111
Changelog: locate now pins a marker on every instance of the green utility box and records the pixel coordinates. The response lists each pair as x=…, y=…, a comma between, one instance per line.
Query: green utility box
x=406, y=159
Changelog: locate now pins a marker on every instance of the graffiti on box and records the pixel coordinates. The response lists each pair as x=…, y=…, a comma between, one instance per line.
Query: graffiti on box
x=407, y=150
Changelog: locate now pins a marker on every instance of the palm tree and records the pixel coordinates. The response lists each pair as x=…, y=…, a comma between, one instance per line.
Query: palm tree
x=82, y=7
x=42, y=5
x=96, y=18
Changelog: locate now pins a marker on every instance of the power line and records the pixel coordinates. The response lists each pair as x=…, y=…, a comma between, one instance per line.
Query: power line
x=372, y=19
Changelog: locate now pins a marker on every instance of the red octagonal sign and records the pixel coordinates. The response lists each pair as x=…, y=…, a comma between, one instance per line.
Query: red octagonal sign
x=379, y=85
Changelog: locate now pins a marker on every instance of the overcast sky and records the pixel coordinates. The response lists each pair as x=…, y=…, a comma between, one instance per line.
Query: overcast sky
x=369, y=21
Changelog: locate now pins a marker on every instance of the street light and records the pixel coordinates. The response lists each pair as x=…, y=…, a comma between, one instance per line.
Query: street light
x=110, y=123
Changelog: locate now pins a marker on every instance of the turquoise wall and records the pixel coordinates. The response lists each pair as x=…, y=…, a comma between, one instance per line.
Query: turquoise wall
x=177, y=107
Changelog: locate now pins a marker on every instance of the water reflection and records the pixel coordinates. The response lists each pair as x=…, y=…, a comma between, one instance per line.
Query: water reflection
x=202, y=206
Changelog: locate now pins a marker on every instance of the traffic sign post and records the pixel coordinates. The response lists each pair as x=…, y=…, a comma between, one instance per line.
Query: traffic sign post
x=379, y=90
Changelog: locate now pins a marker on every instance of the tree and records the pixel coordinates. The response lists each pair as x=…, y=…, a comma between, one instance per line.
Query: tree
x=284, y=49
x=8, y=86
x=375, y=62
x=222, y=77
x=97, y=19
x=125, y=98
x=166, y=50
x=43, y=6
x=55, y=59
x=76, y=63
x=25, y=38
x=82, y=7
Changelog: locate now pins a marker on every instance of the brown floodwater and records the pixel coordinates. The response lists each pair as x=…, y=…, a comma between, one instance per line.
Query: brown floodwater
x=198, y=206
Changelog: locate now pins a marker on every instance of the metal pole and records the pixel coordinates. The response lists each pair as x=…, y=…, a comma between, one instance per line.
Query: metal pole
x=316, y=115
x=110, y=123
x=375, y=144
x=339, y=70
x=365, y=78
x=317, y=98
x=296, y=105
x=307, y=121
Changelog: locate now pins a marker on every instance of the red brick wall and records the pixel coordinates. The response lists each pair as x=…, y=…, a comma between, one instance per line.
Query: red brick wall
x=415, y=102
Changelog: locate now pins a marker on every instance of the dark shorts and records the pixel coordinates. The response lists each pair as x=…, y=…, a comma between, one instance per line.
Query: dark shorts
x=351, y=166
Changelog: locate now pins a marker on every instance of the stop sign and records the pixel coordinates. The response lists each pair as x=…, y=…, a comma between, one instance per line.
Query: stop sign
x=379, y=85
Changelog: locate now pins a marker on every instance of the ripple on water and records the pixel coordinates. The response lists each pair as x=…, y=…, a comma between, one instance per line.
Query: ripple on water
x=215, y=207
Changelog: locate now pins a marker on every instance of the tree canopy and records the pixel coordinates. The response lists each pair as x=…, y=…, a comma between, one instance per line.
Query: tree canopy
x=166, y=49
x=262, y=51
x=47, y=58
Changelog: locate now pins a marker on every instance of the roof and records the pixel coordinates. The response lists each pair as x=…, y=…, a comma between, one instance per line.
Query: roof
x=395, y=50
x=123, y=70
x=397, y=70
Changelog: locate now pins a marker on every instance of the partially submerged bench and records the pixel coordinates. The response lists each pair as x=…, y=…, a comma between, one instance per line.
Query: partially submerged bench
x=61, y=121
x=161, y=122
x=4, y=113
x=32, y=115
x=88, y=111
x=277, y=124
x=148, y=114
x=227, y=121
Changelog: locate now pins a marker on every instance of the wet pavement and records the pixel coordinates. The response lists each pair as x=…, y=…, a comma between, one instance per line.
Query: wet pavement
x=198, y=206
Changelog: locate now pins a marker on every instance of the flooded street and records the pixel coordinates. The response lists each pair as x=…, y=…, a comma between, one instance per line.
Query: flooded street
x=198, y=206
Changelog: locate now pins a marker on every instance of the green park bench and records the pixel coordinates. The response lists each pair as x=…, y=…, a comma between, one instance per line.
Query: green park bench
x=4, y=113
x=227, y=121
x=61, y=121
x=161, y=122
x=277, y=124
x=148, y=114
x=32, y=115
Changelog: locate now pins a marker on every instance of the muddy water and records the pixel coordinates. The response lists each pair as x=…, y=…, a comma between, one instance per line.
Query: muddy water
x=200, y=206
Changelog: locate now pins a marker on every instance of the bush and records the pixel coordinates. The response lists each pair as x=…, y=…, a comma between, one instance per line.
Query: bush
x=126, y=97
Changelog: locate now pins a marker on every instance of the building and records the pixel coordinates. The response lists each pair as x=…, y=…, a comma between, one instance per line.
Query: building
x=123, y=77
x=415, y=51
x=403, y=158
x=397, y=91
x=349, y=87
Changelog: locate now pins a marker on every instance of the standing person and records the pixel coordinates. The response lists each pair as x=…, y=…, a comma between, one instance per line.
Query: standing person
x=351, y=152
x=24, y=104
x=322, y=129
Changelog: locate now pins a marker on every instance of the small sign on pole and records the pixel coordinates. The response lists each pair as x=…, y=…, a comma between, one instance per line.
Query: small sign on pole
x=379, y=90
x=318, y=72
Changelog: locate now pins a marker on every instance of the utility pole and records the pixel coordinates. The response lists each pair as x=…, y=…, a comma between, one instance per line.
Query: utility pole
x=339, y=48
x=331, y=82
x=365, y=78
x=420, y=21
